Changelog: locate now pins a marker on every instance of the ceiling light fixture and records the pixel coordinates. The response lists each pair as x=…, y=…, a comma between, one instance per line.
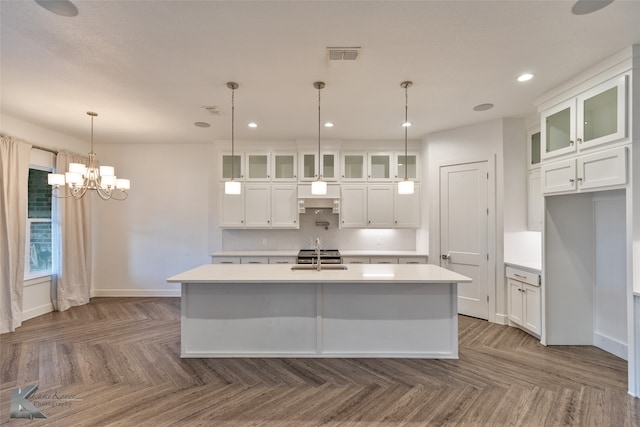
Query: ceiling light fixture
x=232, y=186
x=319, y=187
x=202, y=124
x=59, y=7
x=525, y=77
x=328, y=124
x=584, y=7
x=253, y=125
x=483, y=107
x=405, y=186
x=81, y=177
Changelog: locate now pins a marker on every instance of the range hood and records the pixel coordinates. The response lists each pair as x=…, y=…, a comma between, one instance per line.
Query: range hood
x=331, y=200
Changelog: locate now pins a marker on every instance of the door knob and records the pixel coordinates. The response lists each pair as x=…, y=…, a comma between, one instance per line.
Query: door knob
x=446, y=257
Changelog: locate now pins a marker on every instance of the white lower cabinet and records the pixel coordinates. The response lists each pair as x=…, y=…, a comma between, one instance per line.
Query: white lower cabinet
x=282, y=260
x=598, y=170
x=355, y=260
x=524, y=300
x=384, y=260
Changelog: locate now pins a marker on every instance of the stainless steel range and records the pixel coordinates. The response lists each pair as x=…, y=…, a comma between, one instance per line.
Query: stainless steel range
x=327, y=256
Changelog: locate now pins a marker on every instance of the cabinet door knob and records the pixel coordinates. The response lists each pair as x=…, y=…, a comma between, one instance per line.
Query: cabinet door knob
x=294, y=221
x=579, y=140
x=571, y=180
x=579, y=179
x=570, y=142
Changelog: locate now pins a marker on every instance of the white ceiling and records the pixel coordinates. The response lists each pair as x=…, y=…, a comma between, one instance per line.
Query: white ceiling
x=148, y=67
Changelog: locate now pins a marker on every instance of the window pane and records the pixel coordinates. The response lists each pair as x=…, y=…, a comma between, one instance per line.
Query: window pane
x=39, y=195
x=40, y=247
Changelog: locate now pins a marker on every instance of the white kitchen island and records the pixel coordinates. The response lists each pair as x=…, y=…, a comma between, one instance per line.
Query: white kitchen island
x=270, y=310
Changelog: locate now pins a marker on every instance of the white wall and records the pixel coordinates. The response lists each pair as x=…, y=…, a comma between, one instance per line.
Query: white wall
x=498, y=142
x=162, y=228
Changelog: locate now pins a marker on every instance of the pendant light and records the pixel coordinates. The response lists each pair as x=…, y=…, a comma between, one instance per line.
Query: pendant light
x=318, y=187
x=405, y=186
x=232, y=186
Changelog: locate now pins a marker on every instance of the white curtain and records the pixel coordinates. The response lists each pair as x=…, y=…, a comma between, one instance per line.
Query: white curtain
x=14, y=178
x=72, y=244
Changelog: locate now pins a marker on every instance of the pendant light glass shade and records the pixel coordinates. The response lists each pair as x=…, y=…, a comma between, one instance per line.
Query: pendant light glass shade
x=406, y=186
x=318, y=187
x=232, y=186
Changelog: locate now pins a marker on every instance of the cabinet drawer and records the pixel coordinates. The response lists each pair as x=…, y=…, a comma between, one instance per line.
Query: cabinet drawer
x=523, y=276
x=412, y=260
x=384, y=260
x=355, y=260
x=282, y=260
x=225, y=260
x=254, y=260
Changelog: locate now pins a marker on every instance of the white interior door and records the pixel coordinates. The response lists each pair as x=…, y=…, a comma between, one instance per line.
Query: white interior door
x=464, y=233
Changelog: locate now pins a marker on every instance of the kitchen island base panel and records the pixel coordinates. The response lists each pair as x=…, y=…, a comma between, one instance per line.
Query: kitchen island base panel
x=404, y=320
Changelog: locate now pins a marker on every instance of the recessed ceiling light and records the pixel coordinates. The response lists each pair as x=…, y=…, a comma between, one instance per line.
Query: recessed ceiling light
x=483, y=107
x=59, y=7
x=584, y=7
x=407, y=124
x=328, y=125
x=202, y=124
x=253, y=125
x=525, y=77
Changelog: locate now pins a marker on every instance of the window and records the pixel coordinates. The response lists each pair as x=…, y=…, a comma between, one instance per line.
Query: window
x=38, y=245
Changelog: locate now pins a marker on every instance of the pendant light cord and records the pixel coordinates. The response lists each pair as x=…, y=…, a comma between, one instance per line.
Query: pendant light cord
x=406, y=121
x=319, y=89
x=233, y=111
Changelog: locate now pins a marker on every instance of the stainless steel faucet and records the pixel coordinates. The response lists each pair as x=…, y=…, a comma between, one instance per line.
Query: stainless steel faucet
x=318, y=254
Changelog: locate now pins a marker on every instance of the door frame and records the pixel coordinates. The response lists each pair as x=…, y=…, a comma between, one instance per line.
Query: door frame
x=494, y=245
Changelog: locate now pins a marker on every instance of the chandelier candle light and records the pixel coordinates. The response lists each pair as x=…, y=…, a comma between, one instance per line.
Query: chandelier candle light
x=232, y=186
x=405, y=186
x=81, y=177
x=319, y=187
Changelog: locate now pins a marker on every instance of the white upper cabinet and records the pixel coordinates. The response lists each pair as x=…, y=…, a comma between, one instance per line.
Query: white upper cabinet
x=595, y=117
x=353, y=166
x=257, y=206
x=260, y=206
x=380, y=165
x=226, y=166
x=379, y=208
x=284, y=206
x=602, y=113
x=410, y=162
x=406, y=209
x=309, y=164
x=534, y=148
x=258, y=166
x=353, y=206
x=284, y=166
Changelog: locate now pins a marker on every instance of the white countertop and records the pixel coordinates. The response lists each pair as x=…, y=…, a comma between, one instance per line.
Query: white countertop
x=356, y=273
x=533, y=266
x=295, y=253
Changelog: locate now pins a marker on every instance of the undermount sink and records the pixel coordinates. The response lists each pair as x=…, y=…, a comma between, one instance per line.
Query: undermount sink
x=322, y=267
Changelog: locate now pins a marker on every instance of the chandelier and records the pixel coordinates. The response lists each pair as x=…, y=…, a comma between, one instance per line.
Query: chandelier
x=319, y=187
x=405, y=186
x=81, y=177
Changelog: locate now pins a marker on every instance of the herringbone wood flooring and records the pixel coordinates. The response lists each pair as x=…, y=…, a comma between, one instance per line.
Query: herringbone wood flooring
x=116, y=362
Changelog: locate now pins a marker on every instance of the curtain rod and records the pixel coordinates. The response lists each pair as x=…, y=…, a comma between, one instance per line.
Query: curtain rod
x=45, y=149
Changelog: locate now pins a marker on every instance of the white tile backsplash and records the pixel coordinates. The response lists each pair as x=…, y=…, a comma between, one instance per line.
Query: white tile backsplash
x=331, y=238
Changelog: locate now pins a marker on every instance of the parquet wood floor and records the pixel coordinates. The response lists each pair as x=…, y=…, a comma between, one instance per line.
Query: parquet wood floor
x=115, y=362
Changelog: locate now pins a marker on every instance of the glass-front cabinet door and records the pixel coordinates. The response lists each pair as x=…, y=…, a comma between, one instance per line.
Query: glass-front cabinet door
x=558, y=129
x=258, y=166
x=533, y=148
x=408, y=163
x=602, y=113
x=328, y=166
x=380, y=167
x=284, y=167
x=237, y=167
x=354, y=166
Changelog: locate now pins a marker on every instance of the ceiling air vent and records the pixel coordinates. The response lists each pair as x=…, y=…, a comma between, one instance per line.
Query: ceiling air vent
x=213, y=110
x=343, y=53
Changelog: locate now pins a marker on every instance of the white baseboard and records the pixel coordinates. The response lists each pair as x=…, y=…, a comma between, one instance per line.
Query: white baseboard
x=502, y=319
x=37, y=311
x=611, y=345
x=136, y=292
